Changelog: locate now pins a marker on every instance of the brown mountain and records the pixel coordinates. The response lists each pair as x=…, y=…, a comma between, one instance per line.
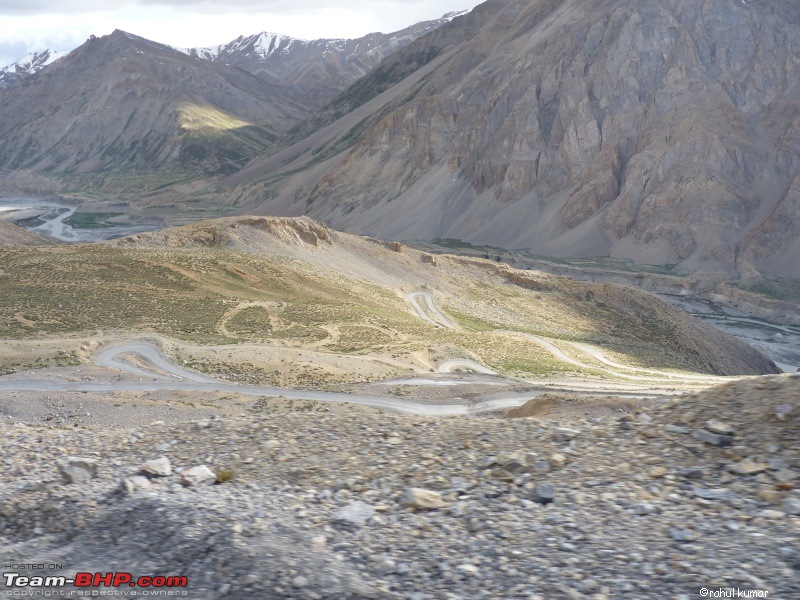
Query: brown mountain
x=123, y=102
x=663, y=131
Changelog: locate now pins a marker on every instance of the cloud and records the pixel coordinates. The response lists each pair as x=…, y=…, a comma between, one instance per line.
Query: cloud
x=33, y=7
x=35, y=25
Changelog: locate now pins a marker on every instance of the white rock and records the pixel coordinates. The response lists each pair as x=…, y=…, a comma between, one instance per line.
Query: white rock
x=77, y=470
x=196, y=476
x=159, y=467
x=424, y=499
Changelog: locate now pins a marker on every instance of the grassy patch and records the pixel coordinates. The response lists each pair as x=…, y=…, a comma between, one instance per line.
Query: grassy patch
x=772, y=286
x=91, y=220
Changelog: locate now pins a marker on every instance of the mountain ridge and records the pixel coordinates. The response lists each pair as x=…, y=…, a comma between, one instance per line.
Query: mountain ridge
x=631, y=129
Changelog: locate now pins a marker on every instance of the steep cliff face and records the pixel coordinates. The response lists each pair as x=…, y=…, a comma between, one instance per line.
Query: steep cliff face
x=660, y=130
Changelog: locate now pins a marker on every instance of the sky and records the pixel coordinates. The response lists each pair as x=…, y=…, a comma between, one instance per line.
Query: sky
x=34, y=25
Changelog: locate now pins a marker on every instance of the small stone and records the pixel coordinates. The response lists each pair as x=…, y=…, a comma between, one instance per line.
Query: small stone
x=137, y=482
x=692, y=473
x=196, y=476
x=719, y=427
x=224, y=589
x=683, y=535
x=165, y=447
x=712, y=438
x=513, y=462
x=299, y=582
x=77, y=470
x=713, y=494
x=658, y=472
x=782, y=411
x=272, y=444
x=791, y=506
x=771, y=514
x=355, y=514
x=564, y=434
x=158, y=467
x=541, y=467
x=318, y=542
x=200, y=425
x=644, y=509
x=468, y=568
x=785, y=475
x=557, y=460
x=770, y=495
x=543, y=493
x=748, y=467
x=420, y=499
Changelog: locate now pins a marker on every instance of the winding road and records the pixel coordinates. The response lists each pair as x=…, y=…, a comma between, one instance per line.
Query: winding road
x=162, y=374
x=439, y=319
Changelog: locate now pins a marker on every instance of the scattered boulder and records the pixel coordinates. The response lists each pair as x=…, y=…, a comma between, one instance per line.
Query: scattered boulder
x=557, y=460
x=429, y=259
x=137, y=482
x=355, y=514
x=748, y=467
x=158, y=467
x=420, y=499
x=196, y=476
x=543, y=493
x=565, y=434
x=719, y=427
x=77, y=470
x=714, y=439
x=782, y=411
x=513, y=462
x=791, y=506
x=394, y=246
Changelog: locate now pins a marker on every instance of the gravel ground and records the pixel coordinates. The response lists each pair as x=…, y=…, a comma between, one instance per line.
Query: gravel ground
x=688, y=493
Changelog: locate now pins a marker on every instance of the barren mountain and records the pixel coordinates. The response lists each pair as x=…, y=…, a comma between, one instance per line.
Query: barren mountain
x=661, y=131
x=317, y=69
x=124, y=102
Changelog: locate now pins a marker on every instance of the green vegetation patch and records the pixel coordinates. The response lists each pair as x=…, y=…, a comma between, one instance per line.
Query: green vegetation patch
x=772, y=286
x=87, y=220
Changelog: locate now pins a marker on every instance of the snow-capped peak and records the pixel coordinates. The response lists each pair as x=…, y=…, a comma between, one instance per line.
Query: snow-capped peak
x=30, y=64
x=263, y=44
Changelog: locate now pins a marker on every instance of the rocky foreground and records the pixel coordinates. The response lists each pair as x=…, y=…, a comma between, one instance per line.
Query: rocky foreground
x=689, y=493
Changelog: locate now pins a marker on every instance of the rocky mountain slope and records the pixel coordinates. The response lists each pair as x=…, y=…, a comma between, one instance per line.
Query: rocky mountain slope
x=30, y=64
x=661, y=131
x=317, y=69
x=14, y=236
x=123, y=102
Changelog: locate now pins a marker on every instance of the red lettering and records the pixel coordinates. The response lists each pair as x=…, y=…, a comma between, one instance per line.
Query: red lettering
x=83, y=579
x=121, y=578
x=106, y=579
x=144, y=581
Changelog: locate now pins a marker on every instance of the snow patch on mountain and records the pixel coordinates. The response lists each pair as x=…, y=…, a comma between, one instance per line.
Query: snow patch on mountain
x=30, y=64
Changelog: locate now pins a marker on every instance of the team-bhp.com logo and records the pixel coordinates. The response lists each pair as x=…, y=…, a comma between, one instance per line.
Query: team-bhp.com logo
x=95, y=580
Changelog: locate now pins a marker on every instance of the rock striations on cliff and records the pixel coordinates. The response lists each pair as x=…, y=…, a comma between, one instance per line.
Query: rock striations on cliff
x=662, y=131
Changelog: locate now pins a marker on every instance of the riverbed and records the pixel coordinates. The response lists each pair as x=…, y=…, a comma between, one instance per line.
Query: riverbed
x=48, y=217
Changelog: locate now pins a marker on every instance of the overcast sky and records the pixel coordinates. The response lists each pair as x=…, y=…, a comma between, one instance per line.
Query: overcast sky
x=32, y=25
